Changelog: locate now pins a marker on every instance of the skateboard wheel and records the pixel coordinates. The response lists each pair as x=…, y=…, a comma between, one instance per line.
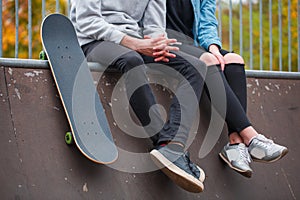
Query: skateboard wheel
x=69, y=138
x=43, y=55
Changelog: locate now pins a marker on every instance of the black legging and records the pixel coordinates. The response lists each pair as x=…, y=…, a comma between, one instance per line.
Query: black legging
x=233, y=80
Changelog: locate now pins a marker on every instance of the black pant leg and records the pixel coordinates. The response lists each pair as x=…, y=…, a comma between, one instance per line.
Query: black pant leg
x=235, y=117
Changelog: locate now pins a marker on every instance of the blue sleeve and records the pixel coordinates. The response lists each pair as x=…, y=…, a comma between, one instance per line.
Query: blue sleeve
x=208, y=25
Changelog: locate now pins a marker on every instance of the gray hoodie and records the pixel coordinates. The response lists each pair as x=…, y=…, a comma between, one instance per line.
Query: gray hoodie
x=111, y=20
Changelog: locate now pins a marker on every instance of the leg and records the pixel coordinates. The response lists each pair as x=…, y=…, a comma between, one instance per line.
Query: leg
x=181, y=114
x=235, y=115
x=260, y=148
x=216, y=83
x=235, y=118
x=186, y=101
x=235, y=81
x=235, y=75
x=186, y=174
x=235, y=138
x=209, y=59
x=124, y=59
x=169, y=155
x=232, y=57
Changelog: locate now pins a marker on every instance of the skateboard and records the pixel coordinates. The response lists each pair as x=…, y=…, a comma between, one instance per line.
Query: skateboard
x=74, y=82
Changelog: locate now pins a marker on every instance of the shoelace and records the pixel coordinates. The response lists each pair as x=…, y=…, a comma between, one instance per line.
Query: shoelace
x=262, y=141
x=193, y=167
x=244, y=154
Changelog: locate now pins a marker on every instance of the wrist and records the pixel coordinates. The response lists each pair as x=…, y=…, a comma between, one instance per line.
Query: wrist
x=129, y=42
x=213, y=47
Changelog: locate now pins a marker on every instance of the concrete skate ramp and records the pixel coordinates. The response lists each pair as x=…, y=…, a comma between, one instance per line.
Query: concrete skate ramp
x=37, y=164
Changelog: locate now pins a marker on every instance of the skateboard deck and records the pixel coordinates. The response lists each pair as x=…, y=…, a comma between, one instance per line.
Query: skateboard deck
x=77, y=91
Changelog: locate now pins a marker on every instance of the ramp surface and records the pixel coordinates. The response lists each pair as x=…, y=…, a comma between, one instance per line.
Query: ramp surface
x=37, y=164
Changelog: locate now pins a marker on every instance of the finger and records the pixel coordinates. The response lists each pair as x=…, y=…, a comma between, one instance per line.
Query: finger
x=158, y=40
x=164, y=40
x=161, y=42
x=158, y=59
x=147, y=37
x=159, y=47
x=170, y=55
x=176, y=43
x=165, y=60
x=221, y=61
x=165, y=48
x=165, y=54
x=172, y=48
x=171, y=41
x=220, y=58
x=158, y=53
x=161, y=58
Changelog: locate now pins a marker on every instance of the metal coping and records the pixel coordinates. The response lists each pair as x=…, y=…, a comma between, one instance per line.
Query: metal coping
x=96, y=67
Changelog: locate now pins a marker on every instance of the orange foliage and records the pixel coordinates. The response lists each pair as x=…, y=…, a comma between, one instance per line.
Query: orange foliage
x=9, y=26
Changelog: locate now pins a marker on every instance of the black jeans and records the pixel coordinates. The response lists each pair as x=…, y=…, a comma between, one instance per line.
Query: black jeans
x=184, y=105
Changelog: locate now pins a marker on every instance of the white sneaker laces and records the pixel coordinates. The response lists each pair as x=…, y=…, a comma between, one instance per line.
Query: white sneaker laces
x=262, y=141
x=244, y=154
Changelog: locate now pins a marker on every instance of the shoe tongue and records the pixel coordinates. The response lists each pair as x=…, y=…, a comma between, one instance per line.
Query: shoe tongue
x=237, y=144
x=194, y=169
x=242, y=144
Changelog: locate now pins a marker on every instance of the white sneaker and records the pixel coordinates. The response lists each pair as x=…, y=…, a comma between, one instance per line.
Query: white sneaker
x=262, y=149
x=238, y=158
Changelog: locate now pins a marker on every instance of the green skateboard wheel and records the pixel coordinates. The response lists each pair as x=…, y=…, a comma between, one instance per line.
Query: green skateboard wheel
x=69, y=138
x=43, y=55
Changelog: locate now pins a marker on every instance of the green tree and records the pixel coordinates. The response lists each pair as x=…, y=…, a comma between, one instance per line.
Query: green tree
x=265, y=34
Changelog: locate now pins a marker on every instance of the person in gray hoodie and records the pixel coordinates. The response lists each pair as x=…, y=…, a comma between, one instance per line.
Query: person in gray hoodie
x=127, y=36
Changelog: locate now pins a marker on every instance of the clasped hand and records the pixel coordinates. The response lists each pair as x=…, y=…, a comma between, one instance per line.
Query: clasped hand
x=159, y=48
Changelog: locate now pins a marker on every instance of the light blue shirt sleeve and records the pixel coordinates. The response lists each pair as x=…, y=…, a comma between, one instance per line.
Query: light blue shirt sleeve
x=207, y=27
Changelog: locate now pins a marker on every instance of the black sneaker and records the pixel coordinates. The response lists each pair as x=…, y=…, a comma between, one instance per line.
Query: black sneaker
x=178, y=167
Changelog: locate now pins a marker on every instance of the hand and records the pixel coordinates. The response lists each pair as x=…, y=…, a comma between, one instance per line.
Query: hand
x=163, y=48
x=214, y=49
x=154, y=47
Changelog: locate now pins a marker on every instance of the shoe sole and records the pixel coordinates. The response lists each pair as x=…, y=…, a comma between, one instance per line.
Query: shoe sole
x=284, y=152
x=202, y=174
x=246, y=173
x=179, y=176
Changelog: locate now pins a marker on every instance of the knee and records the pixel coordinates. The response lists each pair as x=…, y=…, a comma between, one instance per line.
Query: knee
x=129, y=60
x=195, y=73
x=209, y=59
x=233, y=58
